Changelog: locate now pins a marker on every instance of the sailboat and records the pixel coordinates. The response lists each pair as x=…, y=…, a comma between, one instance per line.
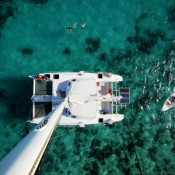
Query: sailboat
x=64, y=99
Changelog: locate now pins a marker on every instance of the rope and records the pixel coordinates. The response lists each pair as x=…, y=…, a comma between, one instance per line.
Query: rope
x=140, y=169
x=62, y=134
x=29, y=118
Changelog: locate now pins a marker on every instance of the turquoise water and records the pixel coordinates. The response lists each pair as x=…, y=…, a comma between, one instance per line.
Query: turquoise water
x=135, y=39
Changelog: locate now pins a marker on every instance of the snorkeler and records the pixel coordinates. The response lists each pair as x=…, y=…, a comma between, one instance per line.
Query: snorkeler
x=72, y=27
x=83, y=25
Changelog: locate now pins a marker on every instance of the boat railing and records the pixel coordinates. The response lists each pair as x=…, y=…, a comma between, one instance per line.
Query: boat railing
x=122, y=97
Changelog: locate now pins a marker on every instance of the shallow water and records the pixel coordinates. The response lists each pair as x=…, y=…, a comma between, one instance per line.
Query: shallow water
x=133, y=39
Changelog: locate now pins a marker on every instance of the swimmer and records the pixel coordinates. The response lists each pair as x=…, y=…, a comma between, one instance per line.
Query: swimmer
x=72, y=27
x=83, y=25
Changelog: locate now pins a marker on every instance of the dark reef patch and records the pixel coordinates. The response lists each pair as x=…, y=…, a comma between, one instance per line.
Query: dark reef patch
x=145, y=39
x=173, y=148
x=93, y=44
x=123, y=55
x=141, y=17
x=171, y=14
x=101, y=154
x=13, y=125
x=95, y=168
x=155, y=34
x=2, y=93
x=112, y=50
x=7, y=9
x=114, y=59
x=86, y=167
x=169, y=50
x=95, y=143
x=7, y=134
x=138, y=20
x=143, y=100
x=16, y=96
x=103, y=57
x=66, y=51
x=146, y=43
x=49, y=163
x=19, y=102
x=26, y=51
x=15, y=109
x=92, y=169
x=172, y=132
x=152, y=151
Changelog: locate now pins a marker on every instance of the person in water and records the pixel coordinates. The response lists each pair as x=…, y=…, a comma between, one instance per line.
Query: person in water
x=72, y=27
x=83, y=25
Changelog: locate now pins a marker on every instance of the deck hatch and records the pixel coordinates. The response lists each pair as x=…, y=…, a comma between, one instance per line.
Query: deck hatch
x=47, y=75
x=100, y=120
x=56, y=76
x=100, y=75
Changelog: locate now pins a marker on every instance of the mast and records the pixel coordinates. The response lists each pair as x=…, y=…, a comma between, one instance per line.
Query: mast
x=24, y=159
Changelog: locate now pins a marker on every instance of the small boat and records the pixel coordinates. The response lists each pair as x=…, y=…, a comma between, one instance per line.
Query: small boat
x=169, y=103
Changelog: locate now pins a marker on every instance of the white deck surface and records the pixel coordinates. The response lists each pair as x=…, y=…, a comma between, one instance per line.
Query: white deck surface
x=84, y=87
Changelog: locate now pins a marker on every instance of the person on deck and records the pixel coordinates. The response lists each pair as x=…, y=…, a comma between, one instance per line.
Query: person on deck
x=41, y=77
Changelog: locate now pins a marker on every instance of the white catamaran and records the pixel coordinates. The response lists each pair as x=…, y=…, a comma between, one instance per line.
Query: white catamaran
x=93, y=98
x=70, y=98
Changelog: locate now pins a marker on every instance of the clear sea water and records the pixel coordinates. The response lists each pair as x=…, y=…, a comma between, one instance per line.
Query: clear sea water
x=135, y=39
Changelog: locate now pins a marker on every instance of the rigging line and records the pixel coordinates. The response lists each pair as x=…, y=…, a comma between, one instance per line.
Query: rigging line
x=27, y=123
x=62, y=134
x=140, y=169
x=39, y=111
x=29, y=118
